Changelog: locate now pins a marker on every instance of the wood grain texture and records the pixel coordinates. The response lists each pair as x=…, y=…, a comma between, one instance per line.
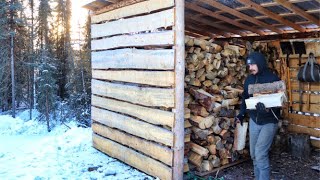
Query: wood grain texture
x=131, y=10
x=308, y=121
x=150, y=115
x=314, y=98
x=154, y=150
x=133, y=59
x=139, y=95
x=154, y=78
x=164, y=38
x=132, y=126
x=304, y=130
x=131, y=157
x=315, y=143
x=149, y=22
x=314, y=108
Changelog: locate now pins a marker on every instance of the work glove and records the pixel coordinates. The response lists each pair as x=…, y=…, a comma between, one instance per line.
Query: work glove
x=260, y=107
x=239, y=119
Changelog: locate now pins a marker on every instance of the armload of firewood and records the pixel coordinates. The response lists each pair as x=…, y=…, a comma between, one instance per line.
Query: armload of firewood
x=213, y=87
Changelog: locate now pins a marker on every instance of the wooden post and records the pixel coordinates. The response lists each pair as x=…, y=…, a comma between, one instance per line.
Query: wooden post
x=178, y=129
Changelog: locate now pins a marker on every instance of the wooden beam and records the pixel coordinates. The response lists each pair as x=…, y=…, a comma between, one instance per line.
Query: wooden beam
x=268, y=4
x=154, y=78
x=156, y=151
x=132, y=10
x=192, y=29
x=299, y=35
x=308, y=121
x=272, y=15
x=162, y=59
x=212, y=24
x=234, y=12
x=131, y=157
x=223, y=18
x=150, y=115
x=133, y=126
x=298, y=11
x=117, y=6
x=163, y=38
x=304, y=130
x=178, y=128
x=204, y=28
x=95, y=5
x=147, y=96
x=138, y=24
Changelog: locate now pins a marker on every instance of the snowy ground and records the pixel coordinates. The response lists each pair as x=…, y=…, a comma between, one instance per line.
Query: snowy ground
x=28, y=151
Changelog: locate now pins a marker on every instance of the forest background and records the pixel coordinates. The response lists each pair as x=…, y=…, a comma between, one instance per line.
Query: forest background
x=45, y=60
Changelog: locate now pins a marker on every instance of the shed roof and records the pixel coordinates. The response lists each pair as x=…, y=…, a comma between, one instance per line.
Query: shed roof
x=239, y=18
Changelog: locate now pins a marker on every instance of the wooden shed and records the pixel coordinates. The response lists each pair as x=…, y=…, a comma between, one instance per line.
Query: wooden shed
x=138, y=69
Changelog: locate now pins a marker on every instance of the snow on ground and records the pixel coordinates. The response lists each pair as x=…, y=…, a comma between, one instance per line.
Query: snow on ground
x=28, y=151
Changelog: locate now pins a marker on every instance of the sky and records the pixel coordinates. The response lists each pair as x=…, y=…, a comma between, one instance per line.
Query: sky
x=28, y=151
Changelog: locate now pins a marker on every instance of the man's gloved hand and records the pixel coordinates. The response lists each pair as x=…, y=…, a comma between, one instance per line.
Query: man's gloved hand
x=238, y=119
x=260, y=107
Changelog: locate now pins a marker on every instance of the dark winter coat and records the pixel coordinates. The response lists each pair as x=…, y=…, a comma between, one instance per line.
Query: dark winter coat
x=264, y=75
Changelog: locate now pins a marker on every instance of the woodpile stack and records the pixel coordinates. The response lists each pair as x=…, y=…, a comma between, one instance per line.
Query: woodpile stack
x=213, y=88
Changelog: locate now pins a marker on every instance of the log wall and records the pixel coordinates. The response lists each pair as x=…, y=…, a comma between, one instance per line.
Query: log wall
x=134, y=67
x=306, y=119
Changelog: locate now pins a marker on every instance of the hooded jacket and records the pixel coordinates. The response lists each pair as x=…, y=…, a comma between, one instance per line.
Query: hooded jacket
x=264, y=75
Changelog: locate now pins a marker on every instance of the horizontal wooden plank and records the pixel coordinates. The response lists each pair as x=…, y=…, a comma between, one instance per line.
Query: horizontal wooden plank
x=162, y=38
x=315, y=143
x=304, y=130
x=147, y=96
x=132, y=25
x=131, y=157
x=135, y=9
x=314, y=108
x=294, y=62
x=154, y=150
x=133, y=59
x=150, y=115
x=313, y=86
x=313, y=98
x=154, y=78
x=308, y=121
x=132, y=126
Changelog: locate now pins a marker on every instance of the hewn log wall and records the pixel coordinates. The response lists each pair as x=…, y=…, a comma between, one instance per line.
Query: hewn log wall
x=305, y=120
x=134, y=67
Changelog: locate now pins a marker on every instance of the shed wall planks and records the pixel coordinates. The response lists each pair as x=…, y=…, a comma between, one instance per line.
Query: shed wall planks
x=135, y=9
x=147, y=96
x=149, y=22
x=150, y=115
x=163, y=38
x=134, y=59
x=304, y=130
x=154, y=78
x=154, y=150
x=308, y=121
x=132, y=126
x=129, y=156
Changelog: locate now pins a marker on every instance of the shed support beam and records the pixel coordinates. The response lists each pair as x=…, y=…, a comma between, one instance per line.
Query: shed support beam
x=225, y=8
x=223, y=18
x=272, y=15
x=178, y=129
x=298, y=11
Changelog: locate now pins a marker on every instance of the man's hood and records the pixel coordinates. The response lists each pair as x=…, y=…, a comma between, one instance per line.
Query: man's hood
x=259, y=59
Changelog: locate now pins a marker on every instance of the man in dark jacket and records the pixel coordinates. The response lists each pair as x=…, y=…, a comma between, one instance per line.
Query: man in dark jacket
x=263, y=122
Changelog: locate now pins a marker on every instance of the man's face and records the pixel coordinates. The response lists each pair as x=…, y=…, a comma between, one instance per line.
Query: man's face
x=253, y=69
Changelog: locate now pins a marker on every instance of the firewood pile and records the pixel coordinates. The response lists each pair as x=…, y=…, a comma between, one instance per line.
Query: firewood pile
x=213, y=87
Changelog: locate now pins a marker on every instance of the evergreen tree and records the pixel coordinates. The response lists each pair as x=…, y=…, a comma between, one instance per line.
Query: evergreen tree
x=47, y=89
x=63, y=44
x=46, y=83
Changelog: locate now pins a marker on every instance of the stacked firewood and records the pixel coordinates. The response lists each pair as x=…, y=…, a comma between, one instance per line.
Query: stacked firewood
x=213, y=87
